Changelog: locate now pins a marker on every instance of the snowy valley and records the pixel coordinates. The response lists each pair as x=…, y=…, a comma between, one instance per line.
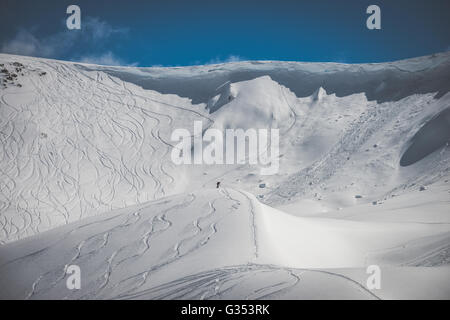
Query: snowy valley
x=87, y=179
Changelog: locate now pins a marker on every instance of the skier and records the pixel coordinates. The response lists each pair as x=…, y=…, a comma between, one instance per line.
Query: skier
x=218, y=184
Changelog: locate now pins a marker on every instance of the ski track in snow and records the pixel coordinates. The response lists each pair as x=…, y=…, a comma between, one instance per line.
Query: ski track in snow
x=85, y=157
x=104, y=148
x=232, y=281
x=149, y=225
x=104, y=262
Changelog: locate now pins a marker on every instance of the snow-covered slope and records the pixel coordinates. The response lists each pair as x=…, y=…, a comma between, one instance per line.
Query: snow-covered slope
x=79, y=143
x=364, y=179
x=379, y=81
x=210, y=244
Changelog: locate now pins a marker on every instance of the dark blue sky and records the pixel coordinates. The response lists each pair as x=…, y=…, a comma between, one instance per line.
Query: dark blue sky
x=190, y=32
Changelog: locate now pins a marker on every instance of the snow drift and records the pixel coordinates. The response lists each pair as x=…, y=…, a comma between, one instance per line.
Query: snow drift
x=149, y=251
x=86, y=178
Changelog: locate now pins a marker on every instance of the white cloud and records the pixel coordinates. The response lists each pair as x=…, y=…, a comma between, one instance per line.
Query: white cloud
x=107, y=58
x=230, y=58
x=25, y=43
x=101, y=29
x=94, y=33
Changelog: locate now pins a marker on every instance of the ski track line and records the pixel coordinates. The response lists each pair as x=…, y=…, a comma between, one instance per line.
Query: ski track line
x=112, y=106
x=199, y=286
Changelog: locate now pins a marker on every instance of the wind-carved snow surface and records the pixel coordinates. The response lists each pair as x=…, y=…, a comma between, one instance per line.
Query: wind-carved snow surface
x=86, y=179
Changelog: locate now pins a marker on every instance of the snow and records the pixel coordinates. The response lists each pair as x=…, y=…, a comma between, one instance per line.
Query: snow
x=86, y=179
x=265, y=103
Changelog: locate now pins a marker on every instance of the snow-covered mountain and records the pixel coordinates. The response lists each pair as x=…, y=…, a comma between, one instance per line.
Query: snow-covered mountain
x=86, y=178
